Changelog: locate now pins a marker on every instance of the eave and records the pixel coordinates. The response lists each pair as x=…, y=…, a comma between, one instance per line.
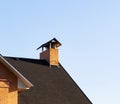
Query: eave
x=27, y=84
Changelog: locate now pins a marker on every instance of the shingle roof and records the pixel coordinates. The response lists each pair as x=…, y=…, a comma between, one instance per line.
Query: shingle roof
x=52, y=85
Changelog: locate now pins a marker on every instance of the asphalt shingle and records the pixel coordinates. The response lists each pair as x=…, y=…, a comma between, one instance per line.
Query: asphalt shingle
x=52, y=85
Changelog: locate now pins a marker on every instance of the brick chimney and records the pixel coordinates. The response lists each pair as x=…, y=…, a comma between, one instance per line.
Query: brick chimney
x=50, y=52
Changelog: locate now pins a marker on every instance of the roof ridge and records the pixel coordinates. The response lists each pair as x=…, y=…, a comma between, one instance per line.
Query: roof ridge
x=20, y=57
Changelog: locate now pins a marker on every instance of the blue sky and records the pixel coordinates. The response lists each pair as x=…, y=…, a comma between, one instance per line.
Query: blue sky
x=89, y=31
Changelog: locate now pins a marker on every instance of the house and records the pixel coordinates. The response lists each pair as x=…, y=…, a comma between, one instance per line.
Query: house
x=38, y=81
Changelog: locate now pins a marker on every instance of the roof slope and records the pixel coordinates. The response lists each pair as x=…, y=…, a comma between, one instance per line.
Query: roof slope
x=52, y=85
x=20, y=77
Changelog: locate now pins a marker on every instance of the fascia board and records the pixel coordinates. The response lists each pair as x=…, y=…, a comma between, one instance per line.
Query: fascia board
x=18, y=74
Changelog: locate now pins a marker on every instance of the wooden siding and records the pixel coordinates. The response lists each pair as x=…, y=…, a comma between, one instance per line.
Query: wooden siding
x=8, y=86
x=51, y=55
x=45, y=55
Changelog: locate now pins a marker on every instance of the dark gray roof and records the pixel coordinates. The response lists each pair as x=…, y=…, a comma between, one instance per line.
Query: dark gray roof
x=52, y=85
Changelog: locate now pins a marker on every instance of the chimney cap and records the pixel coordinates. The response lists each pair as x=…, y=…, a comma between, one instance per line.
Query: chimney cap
x=54, y=40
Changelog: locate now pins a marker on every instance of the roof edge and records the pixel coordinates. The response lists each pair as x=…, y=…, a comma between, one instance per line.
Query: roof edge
x=44, y=45
x=76, y=84
x=17, y=73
